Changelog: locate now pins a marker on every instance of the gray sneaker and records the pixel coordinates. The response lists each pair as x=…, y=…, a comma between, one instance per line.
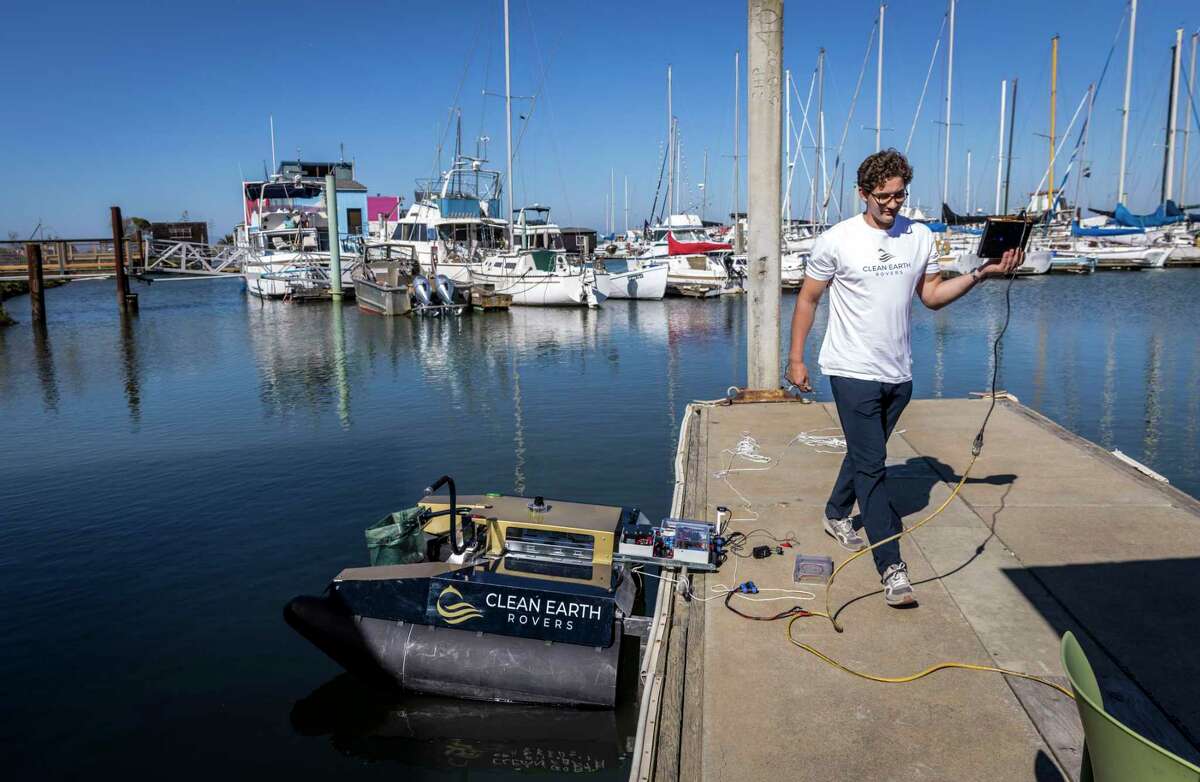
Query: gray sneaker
x=844, y=533
x=897, y=589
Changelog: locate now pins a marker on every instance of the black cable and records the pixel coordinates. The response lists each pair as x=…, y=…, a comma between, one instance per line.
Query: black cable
x=793, y=611
x=977, y=445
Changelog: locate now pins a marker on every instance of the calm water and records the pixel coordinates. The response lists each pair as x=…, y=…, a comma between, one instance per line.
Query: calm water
x=169, y=483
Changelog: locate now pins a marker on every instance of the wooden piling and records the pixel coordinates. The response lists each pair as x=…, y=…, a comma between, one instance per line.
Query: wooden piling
x=125, y=300
x=37, y=292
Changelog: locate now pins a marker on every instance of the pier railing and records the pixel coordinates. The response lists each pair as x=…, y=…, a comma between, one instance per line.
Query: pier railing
x=68, y=257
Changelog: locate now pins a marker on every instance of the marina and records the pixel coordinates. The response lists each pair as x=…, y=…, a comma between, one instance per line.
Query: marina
x=402, y=461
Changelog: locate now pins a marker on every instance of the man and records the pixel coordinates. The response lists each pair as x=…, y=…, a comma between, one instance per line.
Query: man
x=873, y=263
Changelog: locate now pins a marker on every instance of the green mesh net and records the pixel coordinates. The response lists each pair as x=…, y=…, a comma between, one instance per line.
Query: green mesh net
x=396, y=539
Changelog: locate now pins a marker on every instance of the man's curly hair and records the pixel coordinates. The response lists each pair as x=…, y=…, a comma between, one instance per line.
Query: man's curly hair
x=881, y=167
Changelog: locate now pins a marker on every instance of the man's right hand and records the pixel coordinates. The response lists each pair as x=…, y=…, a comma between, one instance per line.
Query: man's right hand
x=797, y=375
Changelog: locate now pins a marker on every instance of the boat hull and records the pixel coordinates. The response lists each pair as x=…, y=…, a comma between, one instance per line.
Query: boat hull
x=649, y=282
x=542, y=290
x=382, y=299
x=459, y=663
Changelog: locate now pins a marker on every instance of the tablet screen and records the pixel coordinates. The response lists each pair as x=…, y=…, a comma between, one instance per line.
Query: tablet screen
x=1002, y=234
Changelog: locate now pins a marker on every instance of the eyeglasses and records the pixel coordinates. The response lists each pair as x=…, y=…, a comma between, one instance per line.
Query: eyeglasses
x=884, y=198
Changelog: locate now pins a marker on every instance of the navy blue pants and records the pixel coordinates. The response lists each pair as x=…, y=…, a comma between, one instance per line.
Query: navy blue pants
x=868, y=412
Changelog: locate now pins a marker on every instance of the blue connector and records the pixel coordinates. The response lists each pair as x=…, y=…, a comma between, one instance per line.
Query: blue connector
x=748, y=588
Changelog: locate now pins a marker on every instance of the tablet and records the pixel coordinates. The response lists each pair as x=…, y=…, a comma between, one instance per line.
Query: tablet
x=1001, y=234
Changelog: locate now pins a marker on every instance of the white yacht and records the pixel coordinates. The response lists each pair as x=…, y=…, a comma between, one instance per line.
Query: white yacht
x=453, y=222
x=286, y=228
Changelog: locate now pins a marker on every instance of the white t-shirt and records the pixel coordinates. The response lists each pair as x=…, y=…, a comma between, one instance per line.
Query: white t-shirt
x=873, y=275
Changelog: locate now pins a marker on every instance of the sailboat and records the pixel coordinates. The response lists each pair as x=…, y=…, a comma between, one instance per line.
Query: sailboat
x=532, y=276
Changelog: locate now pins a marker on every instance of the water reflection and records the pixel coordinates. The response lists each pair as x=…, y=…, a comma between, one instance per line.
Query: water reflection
x=1108, y=394
x=43, y=357
x=301, y=355
x=339, y=364
x=464, y=736
x=1154, y=374
x=129, y=367
x=939, y=354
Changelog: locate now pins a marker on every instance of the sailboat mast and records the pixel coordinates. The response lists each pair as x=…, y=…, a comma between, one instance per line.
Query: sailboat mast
x=626, y=207
x=967, y=199
x=787, y=133
x=274, y=168
x=1012, y=124
x=670, y=146
x=704, y=188
x=1053, y=106
x=949, y=92
x=1187, y=122
x=879, y=83
x=1000, y=148
x=508, y=127
x=1172, y=118
x=1125, y=105
x=737, y=69
x=820, y=167
x=612, y=201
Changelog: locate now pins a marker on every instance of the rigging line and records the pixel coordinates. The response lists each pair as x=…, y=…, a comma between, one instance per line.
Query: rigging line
x=920, y=102
x=550, y=115
x=798, y=137
x=454, y=104
x=837, y=160
x=1058, y=149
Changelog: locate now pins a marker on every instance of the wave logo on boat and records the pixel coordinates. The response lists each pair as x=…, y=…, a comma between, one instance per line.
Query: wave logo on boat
x=455, y=613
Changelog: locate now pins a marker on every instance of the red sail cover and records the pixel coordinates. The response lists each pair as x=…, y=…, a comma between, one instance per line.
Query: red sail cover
x=691, y=248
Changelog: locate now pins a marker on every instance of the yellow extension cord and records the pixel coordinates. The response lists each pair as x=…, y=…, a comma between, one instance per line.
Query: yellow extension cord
x=828, y=614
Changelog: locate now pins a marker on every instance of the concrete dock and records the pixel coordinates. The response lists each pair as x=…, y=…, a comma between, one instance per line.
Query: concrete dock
x=1050, y=533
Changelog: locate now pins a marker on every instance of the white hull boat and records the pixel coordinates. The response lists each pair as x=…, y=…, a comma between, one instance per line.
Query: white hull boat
x=538, y=278
x=640, y=281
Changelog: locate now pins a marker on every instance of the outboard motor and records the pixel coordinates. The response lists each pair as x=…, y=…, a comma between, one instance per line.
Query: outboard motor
x=421, y=292
x=445, y=289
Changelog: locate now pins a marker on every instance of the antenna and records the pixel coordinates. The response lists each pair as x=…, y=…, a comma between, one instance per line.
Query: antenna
x=273, y=166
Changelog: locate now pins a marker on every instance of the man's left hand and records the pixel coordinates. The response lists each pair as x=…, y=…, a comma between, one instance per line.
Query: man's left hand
x=1003, y=266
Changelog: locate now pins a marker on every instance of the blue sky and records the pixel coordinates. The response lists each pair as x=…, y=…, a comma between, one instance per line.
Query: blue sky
x=162, y=107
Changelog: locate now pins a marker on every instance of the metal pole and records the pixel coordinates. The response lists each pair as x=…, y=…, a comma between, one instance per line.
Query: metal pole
x=1173, y=120
x=765, y=51
x=1000, y=148
x=1012, y=123
x=118, y=235
x=1125, y=105
x=949, y=91
x=738, y=239
x=1053, y=106
x=1187, y=122
x=879, y=83
x=274, y=168
x=335, y=240
x=37, y=291
x=787, y=137
x=508, y=125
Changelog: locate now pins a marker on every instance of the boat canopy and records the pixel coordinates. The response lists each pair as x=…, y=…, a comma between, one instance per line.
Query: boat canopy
x=1167, y=213
x=1103, y=230
x=689, y=248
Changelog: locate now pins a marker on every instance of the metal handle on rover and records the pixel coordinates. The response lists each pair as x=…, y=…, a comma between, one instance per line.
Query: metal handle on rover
x=452, y=511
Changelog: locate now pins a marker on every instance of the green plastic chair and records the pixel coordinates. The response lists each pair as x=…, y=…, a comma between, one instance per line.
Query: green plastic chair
x=1111, y=751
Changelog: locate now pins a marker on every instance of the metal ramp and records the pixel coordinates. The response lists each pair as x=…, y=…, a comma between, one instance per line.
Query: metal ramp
x=193, y=257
